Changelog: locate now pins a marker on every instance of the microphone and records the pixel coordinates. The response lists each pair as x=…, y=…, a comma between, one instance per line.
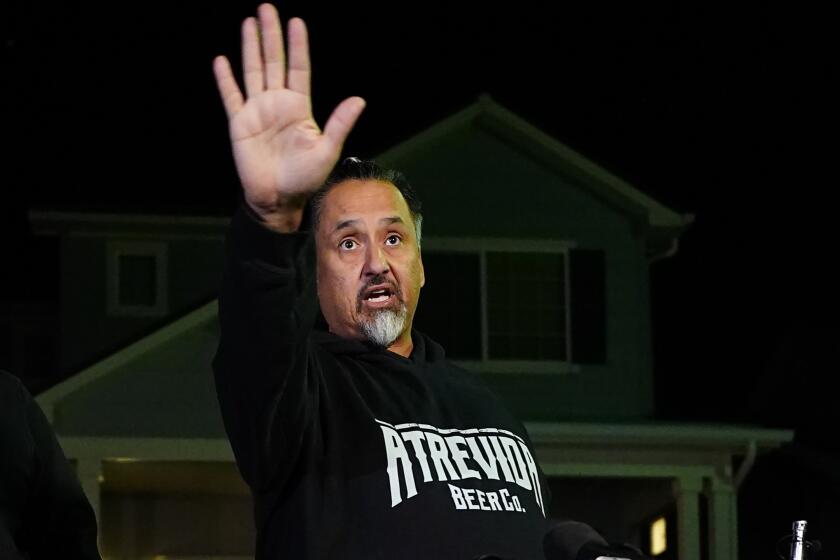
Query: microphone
x=800, y=547
x=573, y=540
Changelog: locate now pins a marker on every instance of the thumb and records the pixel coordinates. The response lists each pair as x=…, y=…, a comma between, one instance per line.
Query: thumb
x=342, y=119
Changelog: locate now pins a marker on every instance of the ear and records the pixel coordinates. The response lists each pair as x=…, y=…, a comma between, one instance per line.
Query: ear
x=422, y=271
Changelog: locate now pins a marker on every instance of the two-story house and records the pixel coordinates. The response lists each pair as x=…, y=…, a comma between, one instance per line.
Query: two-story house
x=537, y=264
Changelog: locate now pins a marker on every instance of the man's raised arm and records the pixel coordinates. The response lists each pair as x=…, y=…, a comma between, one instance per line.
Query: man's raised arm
x=267, y=301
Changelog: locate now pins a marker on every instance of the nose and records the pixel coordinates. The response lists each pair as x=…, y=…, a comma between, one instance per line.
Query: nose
x=375, y=261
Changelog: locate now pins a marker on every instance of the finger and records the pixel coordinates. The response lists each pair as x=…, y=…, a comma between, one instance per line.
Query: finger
x=272, y=47
x=228, y=88
x=342, y=119
x=299, y=67
x=252, y=64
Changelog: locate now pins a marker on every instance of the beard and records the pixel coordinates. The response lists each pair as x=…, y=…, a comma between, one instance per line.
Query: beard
x=384, y=326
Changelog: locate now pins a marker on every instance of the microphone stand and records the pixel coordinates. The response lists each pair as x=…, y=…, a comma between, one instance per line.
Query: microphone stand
x=797, y=541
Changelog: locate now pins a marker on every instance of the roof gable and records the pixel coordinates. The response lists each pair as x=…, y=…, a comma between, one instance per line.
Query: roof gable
x=660, y=224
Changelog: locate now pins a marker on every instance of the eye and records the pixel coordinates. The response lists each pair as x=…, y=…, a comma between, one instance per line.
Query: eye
x=347, y=244
x=393, y=240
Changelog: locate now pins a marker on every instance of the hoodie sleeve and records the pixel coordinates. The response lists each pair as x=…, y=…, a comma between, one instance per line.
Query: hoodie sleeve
x=267, y=308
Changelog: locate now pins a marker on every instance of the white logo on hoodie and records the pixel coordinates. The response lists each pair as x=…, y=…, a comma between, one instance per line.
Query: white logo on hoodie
x=444, y=455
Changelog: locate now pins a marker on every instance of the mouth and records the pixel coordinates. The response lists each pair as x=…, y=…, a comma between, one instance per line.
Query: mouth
x=382, y=295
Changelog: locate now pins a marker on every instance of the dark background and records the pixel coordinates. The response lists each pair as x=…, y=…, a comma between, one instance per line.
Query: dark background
x=720, y=112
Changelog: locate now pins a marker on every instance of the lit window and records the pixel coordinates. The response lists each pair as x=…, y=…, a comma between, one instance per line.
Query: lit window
x=658, y=539
x=174, y=509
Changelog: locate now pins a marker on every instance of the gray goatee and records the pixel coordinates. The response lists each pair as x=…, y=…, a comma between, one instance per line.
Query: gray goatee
x=384, y=326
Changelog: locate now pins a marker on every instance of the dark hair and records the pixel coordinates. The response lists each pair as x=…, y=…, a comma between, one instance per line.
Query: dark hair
x=354, y=168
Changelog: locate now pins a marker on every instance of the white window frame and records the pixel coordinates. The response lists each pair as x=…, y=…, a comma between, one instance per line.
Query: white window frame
x=482, y=246
x=156, y=250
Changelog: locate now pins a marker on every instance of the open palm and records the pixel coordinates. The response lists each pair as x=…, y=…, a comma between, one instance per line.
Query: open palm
x=280, y=152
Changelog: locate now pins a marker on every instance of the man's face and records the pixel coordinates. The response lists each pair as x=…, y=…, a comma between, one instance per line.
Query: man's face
x=369, y=267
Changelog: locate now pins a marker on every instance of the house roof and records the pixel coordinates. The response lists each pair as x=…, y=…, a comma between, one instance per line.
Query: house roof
x=158, y=386
x=52, y=222
x=661, y=224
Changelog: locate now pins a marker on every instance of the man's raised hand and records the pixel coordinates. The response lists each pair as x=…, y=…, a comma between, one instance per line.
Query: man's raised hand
x=281, y=154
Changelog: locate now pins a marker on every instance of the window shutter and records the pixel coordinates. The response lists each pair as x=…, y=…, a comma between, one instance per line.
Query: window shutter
x=587, y=271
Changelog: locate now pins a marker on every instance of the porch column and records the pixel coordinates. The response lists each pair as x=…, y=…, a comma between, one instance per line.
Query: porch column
x=723, y=519
x=687, y=494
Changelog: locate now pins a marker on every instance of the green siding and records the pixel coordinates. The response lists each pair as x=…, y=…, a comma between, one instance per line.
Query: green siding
x=168, y=392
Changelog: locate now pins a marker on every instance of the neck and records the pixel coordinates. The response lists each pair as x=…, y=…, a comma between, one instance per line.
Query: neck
x=403, y=345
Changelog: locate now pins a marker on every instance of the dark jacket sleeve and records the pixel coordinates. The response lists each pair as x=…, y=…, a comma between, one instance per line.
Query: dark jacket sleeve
x=267, y=308
x=58, y=521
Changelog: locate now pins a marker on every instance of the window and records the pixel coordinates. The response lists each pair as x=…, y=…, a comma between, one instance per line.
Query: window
x=502, y=305
x=526, y=306
x=136, y=279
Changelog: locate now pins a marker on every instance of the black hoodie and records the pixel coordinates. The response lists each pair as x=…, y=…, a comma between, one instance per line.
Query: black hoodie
x=353, y=451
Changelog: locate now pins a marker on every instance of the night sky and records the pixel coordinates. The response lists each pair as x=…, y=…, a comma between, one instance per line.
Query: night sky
x=717, y=112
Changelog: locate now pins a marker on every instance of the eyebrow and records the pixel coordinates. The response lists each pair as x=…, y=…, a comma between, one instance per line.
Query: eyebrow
x=344, y=224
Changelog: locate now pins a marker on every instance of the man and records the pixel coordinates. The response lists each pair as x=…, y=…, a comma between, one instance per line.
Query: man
x=43, y=512
x=358, y=440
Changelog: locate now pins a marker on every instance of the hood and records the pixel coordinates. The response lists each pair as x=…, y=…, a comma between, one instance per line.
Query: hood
x=425, y=349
